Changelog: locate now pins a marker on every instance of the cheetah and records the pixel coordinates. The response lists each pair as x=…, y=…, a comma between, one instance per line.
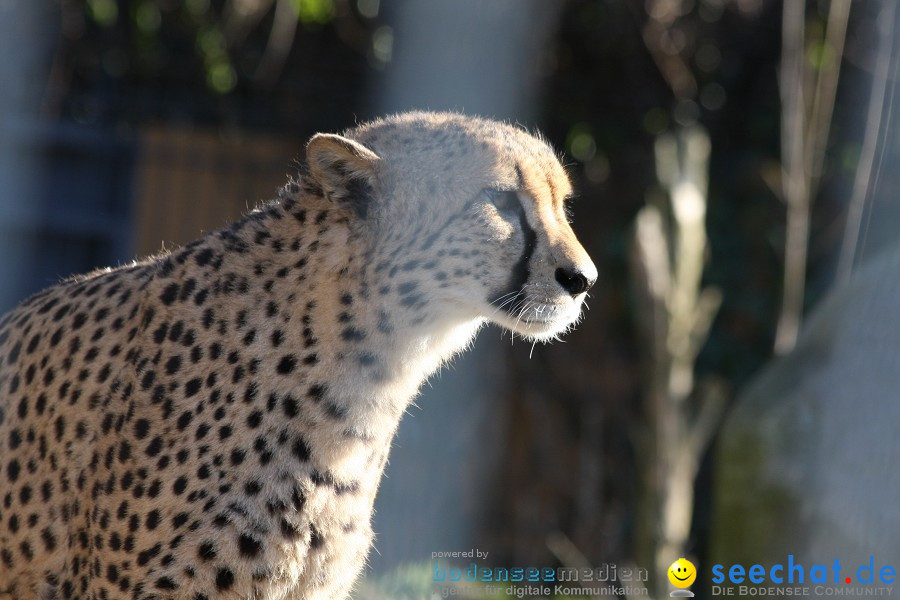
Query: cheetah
x=213, y=422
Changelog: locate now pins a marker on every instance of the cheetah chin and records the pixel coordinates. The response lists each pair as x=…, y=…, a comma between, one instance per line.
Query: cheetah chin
x=213, y=422
x=538, y=317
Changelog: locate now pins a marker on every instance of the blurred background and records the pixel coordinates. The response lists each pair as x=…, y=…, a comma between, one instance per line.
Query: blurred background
x=731, y=395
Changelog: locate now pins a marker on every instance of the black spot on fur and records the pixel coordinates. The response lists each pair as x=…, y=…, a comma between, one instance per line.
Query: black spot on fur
x=147, y=555
x=254, y=420
x=192, y=387
x=224, y=579
x=289, y=406
x=277, y=337
x=203, y=257
x=300, y=449
x=248, y=546
x=286, y=364
x=169, y=294
x=316, y=540
x=334, y=411
x=165, y=583
x=317, y=392
x=154, y=447
x=206, y=551
x=352, y=334
x=288, y=530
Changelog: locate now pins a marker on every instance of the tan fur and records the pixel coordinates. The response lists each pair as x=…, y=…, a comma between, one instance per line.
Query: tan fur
x=214, y=422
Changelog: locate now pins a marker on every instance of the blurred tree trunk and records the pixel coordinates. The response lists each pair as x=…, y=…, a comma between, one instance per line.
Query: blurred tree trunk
x=674, y=314
x=807, y=104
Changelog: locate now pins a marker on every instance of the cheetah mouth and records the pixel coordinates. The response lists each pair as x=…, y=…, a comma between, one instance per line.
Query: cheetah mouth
x=545, y=314
x=548, y=322
x=539, y=318
x=536, y=321
x=536, y=312
x=540, y=329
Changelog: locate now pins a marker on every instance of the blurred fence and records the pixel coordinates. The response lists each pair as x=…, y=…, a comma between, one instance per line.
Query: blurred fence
x=77, y=198
x=64, y=204
x=188, y=181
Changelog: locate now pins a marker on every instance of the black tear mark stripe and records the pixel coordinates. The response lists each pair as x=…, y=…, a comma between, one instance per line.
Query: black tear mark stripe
x=521, y=271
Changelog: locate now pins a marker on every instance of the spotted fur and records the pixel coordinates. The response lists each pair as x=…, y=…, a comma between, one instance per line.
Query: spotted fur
x=213, y=422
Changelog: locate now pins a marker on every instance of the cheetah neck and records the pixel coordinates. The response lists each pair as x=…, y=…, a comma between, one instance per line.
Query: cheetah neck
x=383, y=344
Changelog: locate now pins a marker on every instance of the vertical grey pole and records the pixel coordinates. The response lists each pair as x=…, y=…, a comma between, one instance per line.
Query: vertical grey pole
x=479, y=58
x=27, y=35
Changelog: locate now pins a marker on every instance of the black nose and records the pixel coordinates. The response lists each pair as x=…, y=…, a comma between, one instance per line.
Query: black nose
x=573, y=281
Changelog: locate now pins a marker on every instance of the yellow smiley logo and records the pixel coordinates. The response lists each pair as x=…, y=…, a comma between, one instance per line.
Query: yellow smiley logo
x=682, y=573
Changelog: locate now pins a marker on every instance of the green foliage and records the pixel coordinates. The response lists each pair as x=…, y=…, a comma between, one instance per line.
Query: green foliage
x=580, y=142
x=197, y=7
x=153, y=32
x=147, y=17
x=103, y=12
x=220, y=74
x=313, y=11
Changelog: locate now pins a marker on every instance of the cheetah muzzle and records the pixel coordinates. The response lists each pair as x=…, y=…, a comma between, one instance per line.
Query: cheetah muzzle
x=213, y=422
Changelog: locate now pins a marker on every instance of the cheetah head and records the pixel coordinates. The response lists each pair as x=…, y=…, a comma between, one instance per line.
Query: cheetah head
x=466, y=216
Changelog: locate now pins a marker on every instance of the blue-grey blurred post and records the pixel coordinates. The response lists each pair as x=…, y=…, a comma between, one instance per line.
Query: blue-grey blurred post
x=27, y=36
x=479, y=58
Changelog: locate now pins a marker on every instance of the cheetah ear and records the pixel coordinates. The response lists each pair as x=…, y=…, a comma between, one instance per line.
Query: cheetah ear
x=345, y=169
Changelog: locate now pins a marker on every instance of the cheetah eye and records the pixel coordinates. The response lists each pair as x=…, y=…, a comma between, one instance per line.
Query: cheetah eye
x=505, y=201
